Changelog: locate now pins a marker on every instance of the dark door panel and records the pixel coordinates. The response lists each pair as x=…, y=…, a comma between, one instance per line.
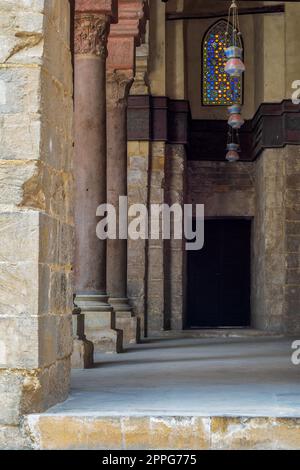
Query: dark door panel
x=219, y=276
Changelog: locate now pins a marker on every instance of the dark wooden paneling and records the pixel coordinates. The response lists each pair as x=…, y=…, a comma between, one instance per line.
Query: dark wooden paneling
x=273, y=126
x=161, y=119
x=158, y=118
x=218, y=14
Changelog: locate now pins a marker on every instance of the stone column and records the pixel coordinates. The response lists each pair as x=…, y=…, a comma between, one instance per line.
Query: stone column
x=138, y=189
x=118, y=85
x=123, y=39
x=91, y=33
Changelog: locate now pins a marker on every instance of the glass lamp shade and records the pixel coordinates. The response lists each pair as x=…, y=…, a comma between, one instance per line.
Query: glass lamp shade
x=234, y=52
x=236, y=121
x=232, y=156
x=233, y=146
x=235, y=109
x=235, y=67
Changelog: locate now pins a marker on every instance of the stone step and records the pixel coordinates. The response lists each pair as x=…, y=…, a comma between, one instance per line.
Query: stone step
x=98, y=432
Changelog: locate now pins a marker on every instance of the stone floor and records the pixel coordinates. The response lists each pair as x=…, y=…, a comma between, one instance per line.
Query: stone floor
x=204, y=377
x=185, y=379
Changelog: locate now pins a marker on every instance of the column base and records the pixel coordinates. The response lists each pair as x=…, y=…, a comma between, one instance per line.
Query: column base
x=100, y=323
x=126, y=321
x=83, y=354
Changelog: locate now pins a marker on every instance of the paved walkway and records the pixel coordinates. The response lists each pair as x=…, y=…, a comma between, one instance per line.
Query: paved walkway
x=190, y=377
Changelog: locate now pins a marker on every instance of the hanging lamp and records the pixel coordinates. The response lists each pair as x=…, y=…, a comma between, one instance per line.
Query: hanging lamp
x=233, y=145
x=234, y=50
x=235, y=119
x=235, y=68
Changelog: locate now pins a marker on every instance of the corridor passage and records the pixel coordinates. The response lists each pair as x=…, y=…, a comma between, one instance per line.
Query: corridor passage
x=190, y=377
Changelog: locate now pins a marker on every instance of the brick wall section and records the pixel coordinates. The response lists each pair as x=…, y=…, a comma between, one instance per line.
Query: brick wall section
x=225, y=189
x=36, y=219
x=267, y=190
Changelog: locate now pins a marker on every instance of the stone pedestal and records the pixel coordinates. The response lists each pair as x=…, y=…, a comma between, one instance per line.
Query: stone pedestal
x=126, y=321
x=100, y=323
x=118, y=85
x=91, y=33
x=83, y=350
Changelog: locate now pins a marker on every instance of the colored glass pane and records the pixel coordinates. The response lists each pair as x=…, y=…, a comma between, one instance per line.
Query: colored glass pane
x=218, y=88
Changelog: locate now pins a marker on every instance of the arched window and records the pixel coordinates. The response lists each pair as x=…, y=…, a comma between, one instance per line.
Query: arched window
x=218, y=88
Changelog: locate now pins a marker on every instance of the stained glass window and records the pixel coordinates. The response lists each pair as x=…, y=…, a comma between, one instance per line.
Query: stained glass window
x=218, y=88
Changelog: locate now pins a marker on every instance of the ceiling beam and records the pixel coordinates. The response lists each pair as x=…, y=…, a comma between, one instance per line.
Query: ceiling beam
x=242, y=11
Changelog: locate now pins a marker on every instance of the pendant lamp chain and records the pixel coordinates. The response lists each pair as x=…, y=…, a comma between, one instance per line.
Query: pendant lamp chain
x=235, y=68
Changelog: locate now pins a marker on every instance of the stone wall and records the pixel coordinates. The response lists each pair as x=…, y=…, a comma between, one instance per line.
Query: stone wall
x=268, y=242
x=276, y=242
x=155, y=254
x=175, y=254
x=156, y=281
x=36, y=220
x=138, y=193
x=292, y=241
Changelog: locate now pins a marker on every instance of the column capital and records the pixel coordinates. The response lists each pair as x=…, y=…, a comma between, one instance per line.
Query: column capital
x=118, y=84
x=91, y=33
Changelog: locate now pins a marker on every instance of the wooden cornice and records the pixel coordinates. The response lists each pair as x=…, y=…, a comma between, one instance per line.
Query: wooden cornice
x=157, y=118
x=151, y=118
x=218, y=14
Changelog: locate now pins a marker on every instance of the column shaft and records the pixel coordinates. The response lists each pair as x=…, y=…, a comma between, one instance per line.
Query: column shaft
x=118, y=85
x=91, y=34
x=117, y=90
x=89, y=172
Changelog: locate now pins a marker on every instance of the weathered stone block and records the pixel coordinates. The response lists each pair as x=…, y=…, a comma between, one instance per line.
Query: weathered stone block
x=14, y=438
x=292, y=300
x=20, y=90
x=255, y=433
x=166, y=433
x=130, y=327
x=293, y=277
x=21, y=128
x=12, y=180
x=19, y=342
x=55, y=338
x=66, y=433
x=292, y=260
x=19, y=236
x=11, y=386
x=292, y=228
x=49, y=233
x=100, y=330
x=57, y=52
x=83, y=354
x=19, y=288
x=293, y=213
x=61, y=291
x=293, y=244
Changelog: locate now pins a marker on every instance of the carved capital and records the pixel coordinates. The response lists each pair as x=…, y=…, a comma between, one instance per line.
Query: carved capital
x=91, y=34
x=118, y=84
